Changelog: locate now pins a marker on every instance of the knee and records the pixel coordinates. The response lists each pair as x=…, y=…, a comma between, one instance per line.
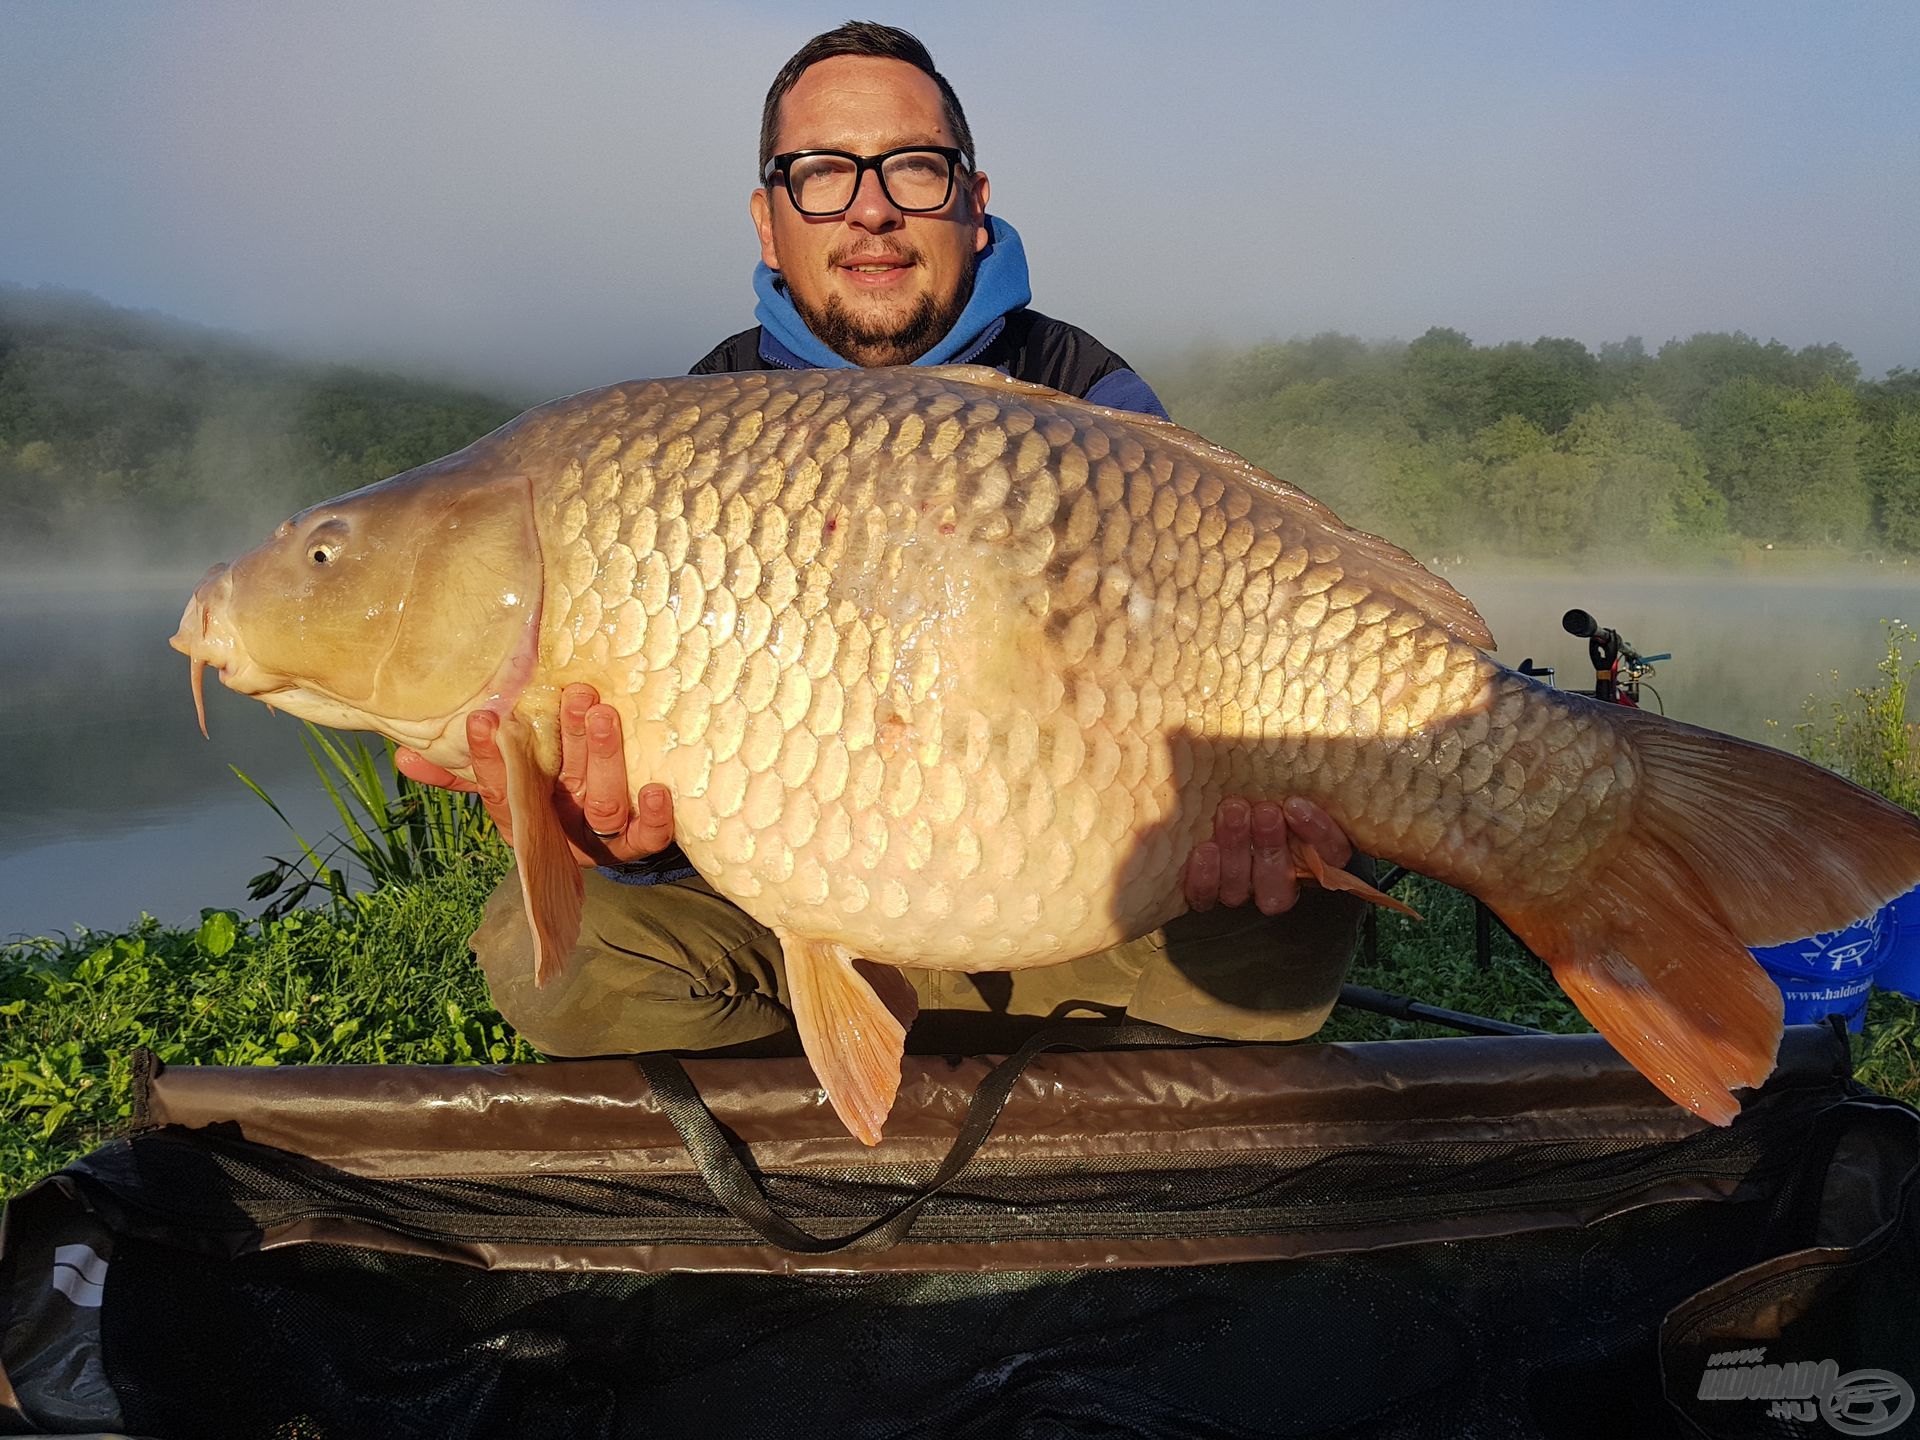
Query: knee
x=657, y=968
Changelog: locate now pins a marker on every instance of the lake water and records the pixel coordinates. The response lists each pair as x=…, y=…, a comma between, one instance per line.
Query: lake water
x=111, y=804
x=1747, y=649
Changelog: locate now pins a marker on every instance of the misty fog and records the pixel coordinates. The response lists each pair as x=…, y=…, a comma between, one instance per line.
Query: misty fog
x=541, y=199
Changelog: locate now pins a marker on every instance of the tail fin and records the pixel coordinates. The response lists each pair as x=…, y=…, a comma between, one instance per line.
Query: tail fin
x=1731, y=844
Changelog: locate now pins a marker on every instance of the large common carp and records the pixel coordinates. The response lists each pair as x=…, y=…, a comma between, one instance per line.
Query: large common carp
x=947, y=670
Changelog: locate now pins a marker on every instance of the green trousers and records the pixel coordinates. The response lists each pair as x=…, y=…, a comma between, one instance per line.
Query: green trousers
x=677, y=967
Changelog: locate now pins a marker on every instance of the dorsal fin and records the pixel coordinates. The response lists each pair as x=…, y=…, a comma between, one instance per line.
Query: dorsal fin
x=1371, y=560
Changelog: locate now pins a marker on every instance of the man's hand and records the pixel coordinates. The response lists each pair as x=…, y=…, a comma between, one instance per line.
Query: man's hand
x=1247, y=854
x=590, y=794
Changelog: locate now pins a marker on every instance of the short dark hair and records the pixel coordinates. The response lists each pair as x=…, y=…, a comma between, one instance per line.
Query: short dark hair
x=860, y=37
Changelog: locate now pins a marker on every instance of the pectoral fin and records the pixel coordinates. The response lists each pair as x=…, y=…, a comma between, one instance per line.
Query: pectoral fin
x=853, y=1017
x=550, y=882
x=1307, y=862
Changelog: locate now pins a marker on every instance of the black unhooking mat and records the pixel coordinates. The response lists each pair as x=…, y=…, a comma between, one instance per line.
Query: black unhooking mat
x=1510, y=1236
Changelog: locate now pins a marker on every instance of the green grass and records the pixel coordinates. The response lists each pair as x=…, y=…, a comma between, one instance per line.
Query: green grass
x=388, y=983
x=413, y=833
x=1864, y=734
x=375, y=977
x=1432, y=960
x=1886, y=1057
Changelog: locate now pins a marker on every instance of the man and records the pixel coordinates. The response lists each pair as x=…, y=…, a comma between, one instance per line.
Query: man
x=863, y=282
x=877, y=249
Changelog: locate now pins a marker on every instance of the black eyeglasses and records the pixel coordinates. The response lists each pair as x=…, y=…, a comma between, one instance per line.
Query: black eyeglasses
x=914, y=178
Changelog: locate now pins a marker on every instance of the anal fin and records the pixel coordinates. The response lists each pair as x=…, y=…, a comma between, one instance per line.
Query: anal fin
x=1308, y=863
x=853, y=1017
x=550, y=881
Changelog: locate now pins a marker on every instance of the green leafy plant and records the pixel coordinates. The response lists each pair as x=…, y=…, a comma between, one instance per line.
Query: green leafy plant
x=384, y=981
x=1886, y=1055
x=412, y=833
x=1433, y=960
x=1864, y=733
x=379, y=975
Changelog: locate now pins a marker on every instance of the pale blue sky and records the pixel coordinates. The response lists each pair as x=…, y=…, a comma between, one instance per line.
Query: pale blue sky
x=555, y=195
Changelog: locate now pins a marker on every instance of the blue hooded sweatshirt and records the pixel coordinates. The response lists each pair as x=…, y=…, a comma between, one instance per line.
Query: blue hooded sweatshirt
x=999, y=287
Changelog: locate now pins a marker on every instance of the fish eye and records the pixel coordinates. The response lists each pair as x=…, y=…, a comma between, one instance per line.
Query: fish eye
x=324, y=542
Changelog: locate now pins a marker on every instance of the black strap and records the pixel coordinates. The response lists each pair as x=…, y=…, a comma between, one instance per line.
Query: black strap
x=734, y=1186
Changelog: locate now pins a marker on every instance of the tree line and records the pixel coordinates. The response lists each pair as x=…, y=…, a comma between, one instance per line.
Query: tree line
x=124, y=426
x=1712, y=443
x=134, y=431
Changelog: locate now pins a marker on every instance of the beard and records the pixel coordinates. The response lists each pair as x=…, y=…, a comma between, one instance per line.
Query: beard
x=881, y=339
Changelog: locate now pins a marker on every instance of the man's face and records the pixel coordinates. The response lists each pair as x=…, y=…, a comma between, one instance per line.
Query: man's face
x=878, y=286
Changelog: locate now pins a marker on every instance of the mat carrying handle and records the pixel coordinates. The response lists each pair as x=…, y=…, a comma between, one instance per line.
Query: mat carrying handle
x=735, y=1187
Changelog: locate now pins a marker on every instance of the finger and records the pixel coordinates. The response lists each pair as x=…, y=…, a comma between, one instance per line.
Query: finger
x=1318, y=829
x=1275, y=887
x=489, y=769
x=422, y=771
x=1203, y=875
x=1231, y=828
x=604, y=789
x=575, y=701
x=651, y=829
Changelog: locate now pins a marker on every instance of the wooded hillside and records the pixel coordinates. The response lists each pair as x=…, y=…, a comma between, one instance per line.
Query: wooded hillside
x=136, y=432
x=1547, y=448
x=125, y=428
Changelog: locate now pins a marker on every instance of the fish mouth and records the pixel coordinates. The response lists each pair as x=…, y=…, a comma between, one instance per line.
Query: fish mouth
x=208, y=641
x=195, y=638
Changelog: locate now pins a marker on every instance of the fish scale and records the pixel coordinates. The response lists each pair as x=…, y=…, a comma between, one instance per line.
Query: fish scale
x=950, y=671
x=798, y=651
